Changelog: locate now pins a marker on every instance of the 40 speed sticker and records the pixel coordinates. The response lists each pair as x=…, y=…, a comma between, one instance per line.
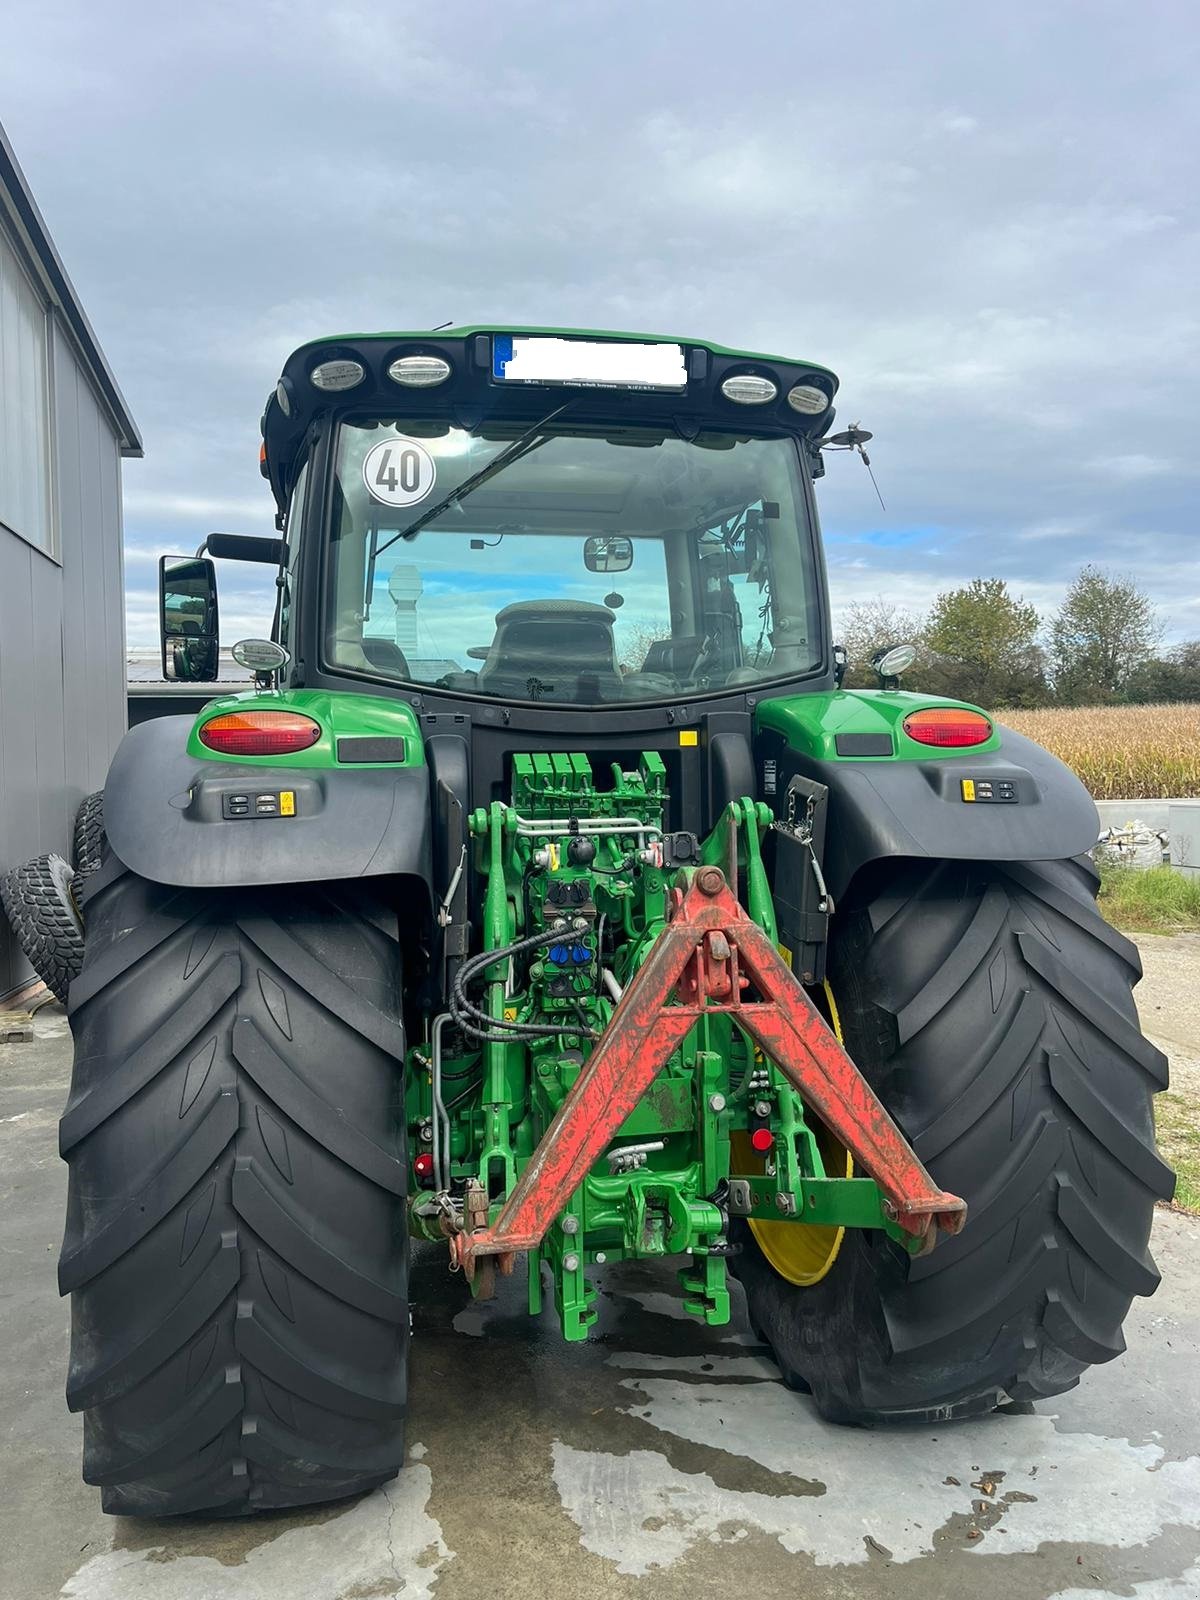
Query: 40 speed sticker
x=399, y=472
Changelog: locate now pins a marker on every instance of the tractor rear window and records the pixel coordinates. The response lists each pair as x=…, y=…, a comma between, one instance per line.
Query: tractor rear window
x=570, y=566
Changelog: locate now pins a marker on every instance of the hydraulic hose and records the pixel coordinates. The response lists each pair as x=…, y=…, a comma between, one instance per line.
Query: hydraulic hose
x=476, y=1022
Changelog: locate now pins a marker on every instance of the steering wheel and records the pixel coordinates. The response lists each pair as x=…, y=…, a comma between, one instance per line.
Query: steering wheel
x=706, y=654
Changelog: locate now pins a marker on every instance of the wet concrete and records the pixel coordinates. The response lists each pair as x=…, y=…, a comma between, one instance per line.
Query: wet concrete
x=661, y=1459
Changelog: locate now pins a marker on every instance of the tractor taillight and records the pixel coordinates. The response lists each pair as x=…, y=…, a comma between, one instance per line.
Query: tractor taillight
x=947, y=726
x=423, y=1169
x=259, y=733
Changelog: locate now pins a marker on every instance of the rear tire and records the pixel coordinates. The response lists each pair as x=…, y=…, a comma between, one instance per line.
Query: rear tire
x=991, y=1009
x=236, y=1249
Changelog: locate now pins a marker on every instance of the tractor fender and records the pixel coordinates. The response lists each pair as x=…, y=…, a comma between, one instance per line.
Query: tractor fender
x=883, y=808
x=167, y=815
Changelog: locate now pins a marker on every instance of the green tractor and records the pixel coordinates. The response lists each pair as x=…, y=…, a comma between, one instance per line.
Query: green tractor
x=550, y=900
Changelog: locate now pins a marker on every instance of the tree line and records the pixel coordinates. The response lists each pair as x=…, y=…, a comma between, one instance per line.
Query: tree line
x=984, y=644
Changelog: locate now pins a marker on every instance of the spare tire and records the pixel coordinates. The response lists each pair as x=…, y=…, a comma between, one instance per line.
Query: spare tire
x=89, y=835
x=39, y=902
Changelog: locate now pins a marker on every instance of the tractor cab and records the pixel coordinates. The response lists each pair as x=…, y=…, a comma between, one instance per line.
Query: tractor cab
x=594, y=539
x=545, y=518
x=610, y=565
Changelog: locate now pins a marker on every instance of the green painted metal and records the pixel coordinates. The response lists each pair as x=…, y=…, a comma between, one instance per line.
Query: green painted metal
x=340, y=715
x=423, y=335
x=828, y=1202
x=737, y=838
x=502, y=1096
x=811, y=723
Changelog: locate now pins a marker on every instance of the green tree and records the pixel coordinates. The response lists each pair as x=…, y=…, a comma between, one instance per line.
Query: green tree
x=871, y=625
x=1104, y=631
x=1171, y=677
x=982, y=646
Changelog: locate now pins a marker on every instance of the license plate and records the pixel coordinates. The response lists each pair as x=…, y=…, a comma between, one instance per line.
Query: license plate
x=587, y=363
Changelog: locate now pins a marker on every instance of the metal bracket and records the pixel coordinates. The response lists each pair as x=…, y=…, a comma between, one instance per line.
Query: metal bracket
x=708, y=956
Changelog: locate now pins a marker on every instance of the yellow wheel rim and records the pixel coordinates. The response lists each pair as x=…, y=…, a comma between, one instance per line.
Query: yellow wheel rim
x=803, y=1253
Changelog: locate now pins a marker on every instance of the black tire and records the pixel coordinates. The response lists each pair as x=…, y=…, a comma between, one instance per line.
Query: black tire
x=236, y=1249
x=89, y=835
x=991, y=1008
x=40, y=905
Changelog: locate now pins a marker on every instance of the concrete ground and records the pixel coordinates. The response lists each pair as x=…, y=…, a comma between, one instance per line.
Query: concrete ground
x=660, y=1460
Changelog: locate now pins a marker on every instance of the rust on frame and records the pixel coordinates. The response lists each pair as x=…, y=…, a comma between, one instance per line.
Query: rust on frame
x=709, y=954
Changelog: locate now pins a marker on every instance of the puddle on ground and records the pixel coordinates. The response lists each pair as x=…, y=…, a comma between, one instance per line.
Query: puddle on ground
x=385, y=1544
x=889, y=1490
x=1185, y=1587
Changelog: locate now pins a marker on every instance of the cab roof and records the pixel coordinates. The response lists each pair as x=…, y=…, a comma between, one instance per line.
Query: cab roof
x=469, y=330
x=472, y=395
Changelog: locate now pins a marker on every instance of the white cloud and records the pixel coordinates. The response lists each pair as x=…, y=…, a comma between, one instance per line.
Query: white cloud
x=142, y=503
x=955, y=122
x=1132, y=467
x=1058, y=528
x=994, y=255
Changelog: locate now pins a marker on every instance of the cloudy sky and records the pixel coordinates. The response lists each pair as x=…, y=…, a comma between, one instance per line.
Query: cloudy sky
x=982, y=216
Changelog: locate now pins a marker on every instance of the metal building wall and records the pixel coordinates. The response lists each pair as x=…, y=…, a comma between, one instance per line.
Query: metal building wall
x=62, y=639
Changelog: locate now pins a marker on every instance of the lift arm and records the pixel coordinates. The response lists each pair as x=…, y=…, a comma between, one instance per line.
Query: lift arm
x=709, y=953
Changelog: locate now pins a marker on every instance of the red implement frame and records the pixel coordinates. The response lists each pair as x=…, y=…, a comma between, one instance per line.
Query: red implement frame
x=708, y=951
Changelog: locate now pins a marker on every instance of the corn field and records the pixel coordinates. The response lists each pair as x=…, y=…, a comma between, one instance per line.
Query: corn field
x=1121, y=752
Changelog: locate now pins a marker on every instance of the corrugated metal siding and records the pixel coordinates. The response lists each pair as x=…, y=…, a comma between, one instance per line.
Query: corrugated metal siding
x=24, y=479
x=62, y=641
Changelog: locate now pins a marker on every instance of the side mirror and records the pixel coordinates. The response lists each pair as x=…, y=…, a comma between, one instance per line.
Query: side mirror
x=606, y=552
x=187, y=618
x=246, y=547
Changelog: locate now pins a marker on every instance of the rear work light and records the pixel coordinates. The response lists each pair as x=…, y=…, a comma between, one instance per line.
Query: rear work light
x=749, y=389
x=419, y=372
x=808, y=400
x=259, y=733
x=334, y=376
x=948, y=726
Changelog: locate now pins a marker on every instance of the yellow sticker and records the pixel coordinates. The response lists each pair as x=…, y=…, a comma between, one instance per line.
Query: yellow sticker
x=287, y=802
x=968, y=788
x=510, y=1013
x=688, y=736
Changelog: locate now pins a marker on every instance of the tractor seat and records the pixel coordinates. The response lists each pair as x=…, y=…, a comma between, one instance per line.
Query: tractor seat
x=387, y=657
x=567, y=646
x=674, y=657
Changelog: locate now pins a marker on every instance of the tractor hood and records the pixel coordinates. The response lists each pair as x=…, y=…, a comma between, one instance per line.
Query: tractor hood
x=474, y=374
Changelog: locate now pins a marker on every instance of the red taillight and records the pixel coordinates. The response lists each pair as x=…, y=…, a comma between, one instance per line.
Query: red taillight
x=423, y=1169
x=947, y=726
x=259, y=733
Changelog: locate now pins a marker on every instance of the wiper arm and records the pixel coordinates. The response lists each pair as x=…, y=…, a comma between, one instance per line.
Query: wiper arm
x=527, y=443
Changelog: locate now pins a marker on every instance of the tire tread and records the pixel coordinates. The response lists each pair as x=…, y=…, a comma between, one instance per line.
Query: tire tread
x=235, y=1246
x=991, y=1008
